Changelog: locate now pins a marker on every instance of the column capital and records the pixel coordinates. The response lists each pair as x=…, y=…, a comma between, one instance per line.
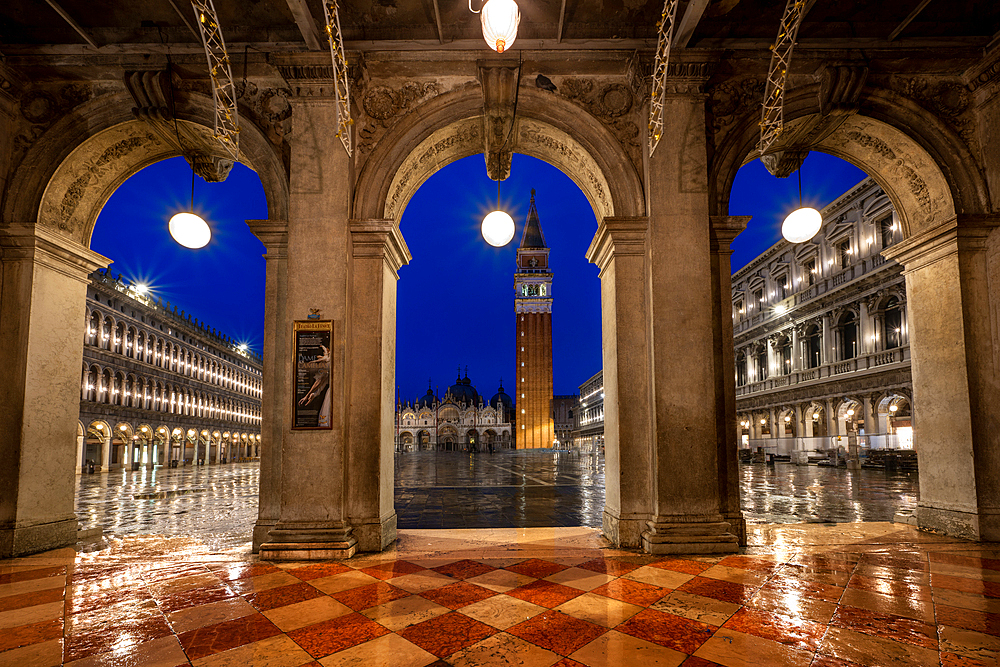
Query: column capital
x=273, y=234
x=50, y=248
x=380, y=238
x=963, y=232
x=618, y=236
x=725, y=228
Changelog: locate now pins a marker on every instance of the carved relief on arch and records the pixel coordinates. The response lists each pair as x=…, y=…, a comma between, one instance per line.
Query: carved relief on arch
x=616, y=105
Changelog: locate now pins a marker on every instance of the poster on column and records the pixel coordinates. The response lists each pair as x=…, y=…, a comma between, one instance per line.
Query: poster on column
x=313, y=366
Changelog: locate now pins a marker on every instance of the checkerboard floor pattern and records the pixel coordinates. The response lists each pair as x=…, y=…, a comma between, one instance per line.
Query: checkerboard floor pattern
x=902, y=598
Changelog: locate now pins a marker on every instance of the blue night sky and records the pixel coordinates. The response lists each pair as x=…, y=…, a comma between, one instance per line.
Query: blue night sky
x=455, y=298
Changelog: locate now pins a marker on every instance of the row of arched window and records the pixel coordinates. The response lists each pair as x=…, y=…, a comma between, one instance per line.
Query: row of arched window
x=113, y=387
x=125, y=339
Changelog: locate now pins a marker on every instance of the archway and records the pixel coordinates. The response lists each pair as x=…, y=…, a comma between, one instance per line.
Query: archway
x=942, y=203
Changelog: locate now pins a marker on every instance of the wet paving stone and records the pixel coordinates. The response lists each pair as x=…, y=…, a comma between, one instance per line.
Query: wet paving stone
x=506, y=489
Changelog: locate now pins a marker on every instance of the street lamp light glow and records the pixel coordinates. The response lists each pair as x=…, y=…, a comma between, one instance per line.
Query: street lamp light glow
x=498, y=228
x=500, y=19
x=190, y=230
x=801, y=225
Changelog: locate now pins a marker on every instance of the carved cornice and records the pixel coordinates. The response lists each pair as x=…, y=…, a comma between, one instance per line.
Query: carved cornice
x=618, y=237
x=379, y=239
x=50, y=248
x=725, y=228
x=273, y=234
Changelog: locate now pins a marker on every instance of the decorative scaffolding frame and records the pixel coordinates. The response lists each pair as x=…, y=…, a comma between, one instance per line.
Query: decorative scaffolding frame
x=341, y=87
x=772, y=120
x=666, y=35
x=227, y=120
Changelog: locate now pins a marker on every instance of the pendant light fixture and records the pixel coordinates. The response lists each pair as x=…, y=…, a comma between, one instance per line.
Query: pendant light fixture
x=802, y=223
x=188, y=228
x=498, y=226
x=500, y=19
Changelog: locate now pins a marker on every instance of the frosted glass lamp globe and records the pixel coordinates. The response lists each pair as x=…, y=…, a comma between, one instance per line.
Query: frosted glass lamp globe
x=801, y=225
x=498, y=227
x=190, y=230
x=500, y=19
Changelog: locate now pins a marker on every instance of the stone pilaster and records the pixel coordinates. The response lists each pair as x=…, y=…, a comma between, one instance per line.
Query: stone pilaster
x=378, y=252
x=953, y=286
x=620, y=250
x=43, y=283
x=724, y=229
x=274, y=235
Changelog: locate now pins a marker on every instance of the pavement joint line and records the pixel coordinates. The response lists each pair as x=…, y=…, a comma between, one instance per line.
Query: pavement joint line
x=513, y=472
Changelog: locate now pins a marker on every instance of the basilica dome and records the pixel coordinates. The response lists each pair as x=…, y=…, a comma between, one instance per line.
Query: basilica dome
x=463, y=390
x=427, y=400
x=502, y=398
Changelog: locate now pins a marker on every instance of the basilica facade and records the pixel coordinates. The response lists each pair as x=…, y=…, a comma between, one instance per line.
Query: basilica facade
x=462, y=420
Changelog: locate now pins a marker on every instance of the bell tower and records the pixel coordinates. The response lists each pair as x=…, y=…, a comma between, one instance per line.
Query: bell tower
x=533, y=309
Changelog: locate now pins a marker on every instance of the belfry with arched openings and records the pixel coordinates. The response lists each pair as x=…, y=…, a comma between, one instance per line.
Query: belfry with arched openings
x=86, y=103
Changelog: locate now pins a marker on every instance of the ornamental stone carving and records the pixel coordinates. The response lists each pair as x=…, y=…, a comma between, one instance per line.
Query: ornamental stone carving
x=730, y=100
x=39, y=108
x=269, y=109
x=614, y=104
x=382, y=104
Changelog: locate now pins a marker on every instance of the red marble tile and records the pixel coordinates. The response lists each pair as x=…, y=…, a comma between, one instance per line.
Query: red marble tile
x=174, y=572
x=101, y=638
x=886, y=625
x=676, y=632
x=963, y=559
x=726, y=591
x=890, y=587
x=85, y=574
x=32, y=633
x=967, y=619
x=615, y=568
x=81, y=603
x=955, y=660
x=464, y=569
x=830, y=661
x=633, y=592
x=234, y=571
x=31, y=599
x=390, y=570
x=445, y=634
x=194, y=598
x=988, y=589
x=536, y=567
x=28, y=575
x=336, y=634
x=282, y=596
x=749, y=563
x=545, y=593
x=837, y=563
x=901, y=562
x=810, y=589
x=569, y=662
x=318, y=571
x=458, y=595
x=557, y=632
x=363, y=597
x=223, y=636
x=789, y=630
x=681, y=565
x=694, y=661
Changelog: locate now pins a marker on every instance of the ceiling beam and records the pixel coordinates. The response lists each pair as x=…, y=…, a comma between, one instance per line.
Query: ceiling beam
x=73, y=24
x=307, y=26
x=437, y=20
x=909, y=19
x=685, y=29
x=187, y=22
x=562, y=22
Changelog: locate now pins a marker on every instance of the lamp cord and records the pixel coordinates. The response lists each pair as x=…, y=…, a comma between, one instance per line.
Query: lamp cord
x=498, y=194
x=799, y=171
x=192, y=190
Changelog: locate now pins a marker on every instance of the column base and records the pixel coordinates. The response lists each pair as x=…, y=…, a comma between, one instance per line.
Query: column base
x=261, y=531
x=710, y=535
x=25, y=540
x=956, y=523
x=737, y=526
x=624, y=531
x=309, y=541
x=375, y=534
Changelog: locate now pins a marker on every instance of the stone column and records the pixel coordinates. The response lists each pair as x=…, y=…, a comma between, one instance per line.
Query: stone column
x=620, y=250
x=687, y=506
x=870, y=424
x=43, y=286
x=378, y=251
x=831, y=421
x=827, y=355
x=796, y=350
x=723, y=230
x=274, y=235
x=865, y=330
x=952, y=278
x=312, y=521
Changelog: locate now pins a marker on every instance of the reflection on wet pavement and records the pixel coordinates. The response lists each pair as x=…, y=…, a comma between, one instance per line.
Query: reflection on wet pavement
x=509, y=489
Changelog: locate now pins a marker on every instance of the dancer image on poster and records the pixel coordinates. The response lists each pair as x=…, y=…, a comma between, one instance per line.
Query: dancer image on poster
x=319, y=368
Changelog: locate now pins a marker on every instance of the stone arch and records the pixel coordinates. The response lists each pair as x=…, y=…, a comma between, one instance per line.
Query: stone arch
x=449, y=127
x=70, y=172
x=922, y=164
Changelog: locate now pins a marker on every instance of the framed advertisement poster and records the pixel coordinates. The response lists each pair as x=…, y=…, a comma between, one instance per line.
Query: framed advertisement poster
x=312, y=364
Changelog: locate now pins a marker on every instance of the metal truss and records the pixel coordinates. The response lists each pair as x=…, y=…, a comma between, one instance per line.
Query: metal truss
x=666, y=30
x=227, y=121
x=772, y=119
x=340, y=84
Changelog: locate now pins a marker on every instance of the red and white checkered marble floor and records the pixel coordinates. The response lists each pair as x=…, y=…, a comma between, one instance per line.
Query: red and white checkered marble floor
x=854, y=594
